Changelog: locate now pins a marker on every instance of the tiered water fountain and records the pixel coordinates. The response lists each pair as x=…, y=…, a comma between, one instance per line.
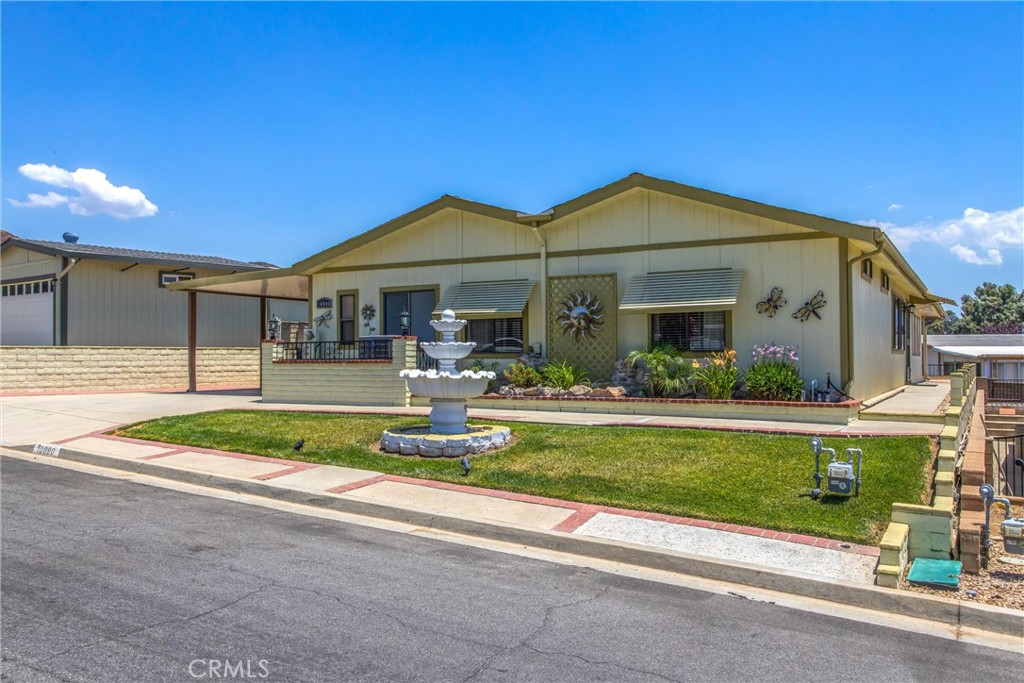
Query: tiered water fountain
x=448, y=435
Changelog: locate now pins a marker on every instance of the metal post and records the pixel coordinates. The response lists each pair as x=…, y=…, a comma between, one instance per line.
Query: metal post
x=263, y=318
x=192, y=342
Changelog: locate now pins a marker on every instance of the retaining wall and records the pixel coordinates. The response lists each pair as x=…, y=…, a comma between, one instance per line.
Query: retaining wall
x=48, y=369
x=350, y=382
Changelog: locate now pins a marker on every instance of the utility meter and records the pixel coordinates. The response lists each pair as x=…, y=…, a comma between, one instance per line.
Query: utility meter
x=840, y=477
x=1012, y=531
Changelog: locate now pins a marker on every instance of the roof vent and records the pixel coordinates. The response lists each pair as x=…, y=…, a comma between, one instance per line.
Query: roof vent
x=71, y=238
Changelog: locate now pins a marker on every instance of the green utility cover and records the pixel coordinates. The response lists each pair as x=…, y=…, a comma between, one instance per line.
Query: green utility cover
x=944, y=573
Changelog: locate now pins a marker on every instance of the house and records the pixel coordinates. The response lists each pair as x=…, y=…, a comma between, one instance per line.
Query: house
x=638, y=262
x=70, y=294
x=999, y=356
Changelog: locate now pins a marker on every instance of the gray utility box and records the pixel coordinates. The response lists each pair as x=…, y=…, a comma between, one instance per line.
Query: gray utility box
x=1012, y=531
x=840, y=477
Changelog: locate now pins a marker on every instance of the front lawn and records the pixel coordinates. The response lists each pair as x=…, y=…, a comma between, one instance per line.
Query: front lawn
x=752, y=479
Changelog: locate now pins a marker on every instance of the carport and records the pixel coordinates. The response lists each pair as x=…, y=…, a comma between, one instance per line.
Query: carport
x=278, y=283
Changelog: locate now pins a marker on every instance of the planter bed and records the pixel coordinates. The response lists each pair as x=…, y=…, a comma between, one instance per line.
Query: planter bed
x=841, y=413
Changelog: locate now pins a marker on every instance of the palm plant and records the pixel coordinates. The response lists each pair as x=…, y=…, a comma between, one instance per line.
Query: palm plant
x=667, y=373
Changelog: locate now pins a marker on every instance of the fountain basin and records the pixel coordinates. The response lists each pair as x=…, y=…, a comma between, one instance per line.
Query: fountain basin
x=420, y=441
x=447, y=350
x=444, y=385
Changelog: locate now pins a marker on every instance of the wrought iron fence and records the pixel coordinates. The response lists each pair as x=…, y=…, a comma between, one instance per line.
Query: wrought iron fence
x=425, y=362
x=942, y=369
x=363, y=349
x=1005, y=390
x=1008, y=473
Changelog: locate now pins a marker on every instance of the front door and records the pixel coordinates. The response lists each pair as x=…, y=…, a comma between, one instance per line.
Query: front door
x=419, y=304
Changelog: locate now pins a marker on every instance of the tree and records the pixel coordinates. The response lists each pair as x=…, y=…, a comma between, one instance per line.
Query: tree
x=994, y=309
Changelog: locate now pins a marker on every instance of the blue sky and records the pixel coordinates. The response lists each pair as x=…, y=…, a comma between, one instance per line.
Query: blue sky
x=271, y=131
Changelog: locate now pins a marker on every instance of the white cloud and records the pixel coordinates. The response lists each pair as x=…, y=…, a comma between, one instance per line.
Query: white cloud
x=968, y=255
x=991, y=231
x=895, y=207
x=95, y=194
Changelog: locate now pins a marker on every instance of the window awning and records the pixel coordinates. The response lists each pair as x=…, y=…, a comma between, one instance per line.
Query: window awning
x=487, y=298
x=682, y=290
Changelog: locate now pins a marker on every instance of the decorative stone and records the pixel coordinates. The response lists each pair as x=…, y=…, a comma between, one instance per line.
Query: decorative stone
x=419, y=441
x=579, y=390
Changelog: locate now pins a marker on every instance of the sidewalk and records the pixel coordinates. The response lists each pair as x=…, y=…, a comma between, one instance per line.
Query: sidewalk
x=787, y=563
x=728, y=542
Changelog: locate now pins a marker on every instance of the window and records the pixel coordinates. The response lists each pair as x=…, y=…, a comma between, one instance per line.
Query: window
x=346, y=317
x=496, y=335
x=899, y=324
x=867, y=269
x=695, y=331
x=168, y=278
x=27, y=288
x=885, y=282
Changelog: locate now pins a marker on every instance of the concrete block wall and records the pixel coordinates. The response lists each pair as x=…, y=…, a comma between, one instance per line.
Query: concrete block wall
x=892, y=561
x=929, y=528
x=48, y=369
x=355, y=382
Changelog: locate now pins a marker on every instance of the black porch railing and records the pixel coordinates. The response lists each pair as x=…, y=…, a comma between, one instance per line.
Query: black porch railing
x=425, y=362
x=1008, y=473
x=947, y=368
x=1005, y=390
x=363, y=349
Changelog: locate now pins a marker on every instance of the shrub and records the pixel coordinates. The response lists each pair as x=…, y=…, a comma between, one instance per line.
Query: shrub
x=668, y=373
x=774, y=375
x=522, y=376
x=481, y=366
x=562, y=375
x=717, y=375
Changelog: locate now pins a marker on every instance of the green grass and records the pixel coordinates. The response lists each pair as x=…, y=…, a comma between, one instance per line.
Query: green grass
x=753, y=479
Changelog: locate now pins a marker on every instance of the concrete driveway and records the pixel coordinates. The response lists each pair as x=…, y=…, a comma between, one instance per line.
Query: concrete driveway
x=44, y=419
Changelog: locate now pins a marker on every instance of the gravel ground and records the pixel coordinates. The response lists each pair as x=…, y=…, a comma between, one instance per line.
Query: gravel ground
x=1001, y=584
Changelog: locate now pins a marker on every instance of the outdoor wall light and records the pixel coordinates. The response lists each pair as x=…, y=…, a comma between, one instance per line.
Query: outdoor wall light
x=403, y=322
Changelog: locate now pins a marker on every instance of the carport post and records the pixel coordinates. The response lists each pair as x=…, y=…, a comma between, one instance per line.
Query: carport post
x=192, y=342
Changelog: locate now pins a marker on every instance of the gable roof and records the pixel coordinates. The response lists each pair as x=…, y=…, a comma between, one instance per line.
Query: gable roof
x=585, y=201
x=310, y=265
x=161, y=258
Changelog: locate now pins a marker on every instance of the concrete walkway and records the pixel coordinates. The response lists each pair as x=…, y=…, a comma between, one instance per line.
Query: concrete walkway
x=926, y=398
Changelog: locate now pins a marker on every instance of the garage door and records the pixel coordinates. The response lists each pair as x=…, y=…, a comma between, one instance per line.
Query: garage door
x=26, y=314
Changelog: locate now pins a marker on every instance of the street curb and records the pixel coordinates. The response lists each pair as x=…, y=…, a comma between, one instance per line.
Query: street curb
x=952, y=612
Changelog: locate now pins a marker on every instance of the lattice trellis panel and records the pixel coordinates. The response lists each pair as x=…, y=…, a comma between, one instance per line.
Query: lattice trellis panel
x=596, y=355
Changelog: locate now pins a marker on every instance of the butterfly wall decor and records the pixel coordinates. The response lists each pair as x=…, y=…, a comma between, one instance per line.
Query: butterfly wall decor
x=773, y=303
x=816, y=303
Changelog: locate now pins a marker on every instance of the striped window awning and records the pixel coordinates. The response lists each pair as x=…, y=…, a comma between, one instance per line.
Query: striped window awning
x=682, y=290
x=498, y=297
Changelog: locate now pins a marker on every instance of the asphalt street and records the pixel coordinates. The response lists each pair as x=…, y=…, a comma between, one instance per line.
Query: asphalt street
x=108, y=580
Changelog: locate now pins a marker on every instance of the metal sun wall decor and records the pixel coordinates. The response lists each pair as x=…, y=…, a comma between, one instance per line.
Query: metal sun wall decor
x=811, y=307
x=581, y=316
x=773, y=303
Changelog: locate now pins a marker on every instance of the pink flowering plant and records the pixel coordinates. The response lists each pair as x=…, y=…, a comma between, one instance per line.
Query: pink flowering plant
x=717, y=376
x=774, y=375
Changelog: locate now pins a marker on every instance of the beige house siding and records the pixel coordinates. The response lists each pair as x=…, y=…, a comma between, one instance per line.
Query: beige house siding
x=100, y=292
x=639, y=217
x=19, y=263
x=877, y=367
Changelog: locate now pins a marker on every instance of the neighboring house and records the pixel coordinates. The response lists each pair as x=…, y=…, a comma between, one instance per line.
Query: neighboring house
x=999, y=356
x=70, y=294
x=652, y=262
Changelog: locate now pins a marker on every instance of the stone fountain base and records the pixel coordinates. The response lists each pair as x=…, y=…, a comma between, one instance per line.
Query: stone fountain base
x=420, y=441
